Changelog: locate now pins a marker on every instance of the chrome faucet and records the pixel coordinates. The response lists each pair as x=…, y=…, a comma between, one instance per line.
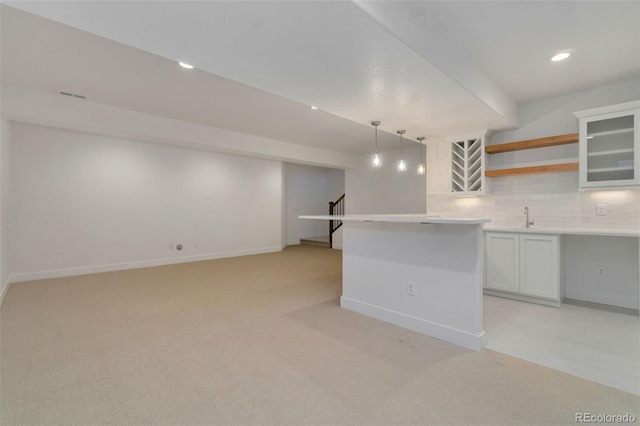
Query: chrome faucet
x=527, y=222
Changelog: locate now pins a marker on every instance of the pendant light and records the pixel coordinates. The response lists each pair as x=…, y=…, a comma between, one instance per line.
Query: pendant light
x=376, y=161
x=402, y=165
x=421, y=167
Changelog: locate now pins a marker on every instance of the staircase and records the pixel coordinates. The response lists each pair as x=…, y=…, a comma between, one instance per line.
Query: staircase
x=317, y=241
x=336, y=208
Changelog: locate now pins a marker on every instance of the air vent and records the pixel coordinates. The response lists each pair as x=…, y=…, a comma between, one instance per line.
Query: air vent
x=74, y=95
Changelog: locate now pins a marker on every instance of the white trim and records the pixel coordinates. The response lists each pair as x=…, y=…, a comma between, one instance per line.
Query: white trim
x=83, y=270
x=564, y=231
x=401, y=218
x=5, y=289
x=462, y=338
x=612, y=299
x=476, y=134
x=607, y=109
x=522, y=297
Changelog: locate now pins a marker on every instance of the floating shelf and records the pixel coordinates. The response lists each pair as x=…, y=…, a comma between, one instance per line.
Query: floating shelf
x=549, y=168
x=533, y=143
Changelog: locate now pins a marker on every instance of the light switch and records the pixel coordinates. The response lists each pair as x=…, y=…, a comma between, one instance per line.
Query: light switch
x=601, y=209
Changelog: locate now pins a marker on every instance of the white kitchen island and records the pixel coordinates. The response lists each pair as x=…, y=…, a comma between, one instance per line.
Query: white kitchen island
x=423, y=273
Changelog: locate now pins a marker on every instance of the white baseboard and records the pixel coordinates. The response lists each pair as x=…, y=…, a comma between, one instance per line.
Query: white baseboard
x=83, y=270
x=462, y=338
x=5, y=289
x=521, y=297
x=607, y=298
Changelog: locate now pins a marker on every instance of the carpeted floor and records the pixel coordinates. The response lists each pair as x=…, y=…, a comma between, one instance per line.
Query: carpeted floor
x=254, y=340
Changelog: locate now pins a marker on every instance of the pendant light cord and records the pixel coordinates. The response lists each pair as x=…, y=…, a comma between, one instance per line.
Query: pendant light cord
x=375, y=124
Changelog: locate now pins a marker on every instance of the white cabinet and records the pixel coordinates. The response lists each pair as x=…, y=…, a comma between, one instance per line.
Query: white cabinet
x=610, y=146
x=525, y=266
x=503, y=261
x=539, y=265
x=468, y=166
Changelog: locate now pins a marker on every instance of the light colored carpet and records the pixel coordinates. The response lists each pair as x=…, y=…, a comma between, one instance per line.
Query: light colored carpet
x=254, y=340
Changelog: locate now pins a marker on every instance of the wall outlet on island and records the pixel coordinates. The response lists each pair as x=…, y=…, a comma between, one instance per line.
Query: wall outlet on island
x=411, y=288
x=601, y=272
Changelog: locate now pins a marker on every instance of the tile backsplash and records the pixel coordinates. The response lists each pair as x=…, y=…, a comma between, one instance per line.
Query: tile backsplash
x=553, y=200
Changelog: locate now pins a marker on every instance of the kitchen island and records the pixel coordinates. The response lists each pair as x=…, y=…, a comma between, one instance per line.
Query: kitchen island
x=420, y=272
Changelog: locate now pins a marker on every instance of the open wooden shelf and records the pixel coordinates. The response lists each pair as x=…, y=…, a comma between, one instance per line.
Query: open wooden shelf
x=532, y=143
x=549, y=168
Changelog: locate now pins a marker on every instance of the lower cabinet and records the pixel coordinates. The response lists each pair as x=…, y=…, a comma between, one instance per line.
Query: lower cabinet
x=524, y=266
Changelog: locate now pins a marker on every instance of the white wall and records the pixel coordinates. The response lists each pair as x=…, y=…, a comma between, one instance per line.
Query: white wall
x=4, y=207
x=383, y=190
x=306, y=195
x=83, y=203
x=309, y=190
x=619, y=258
x=335, y=184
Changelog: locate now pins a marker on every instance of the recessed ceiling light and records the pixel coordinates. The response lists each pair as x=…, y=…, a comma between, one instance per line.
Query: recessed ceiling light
x=561, y=56
x=185, y=65
x=313, y=107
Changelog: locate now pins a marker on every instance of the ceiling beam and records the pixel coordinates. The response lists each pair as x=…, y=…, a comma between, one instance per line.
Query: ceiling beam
x=412, y=24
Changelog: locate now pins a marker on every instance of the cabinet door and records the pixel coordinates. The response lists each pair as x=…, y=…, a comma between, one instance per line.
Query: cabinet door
x=539, y=265
x=609, y=150
x=502, y=265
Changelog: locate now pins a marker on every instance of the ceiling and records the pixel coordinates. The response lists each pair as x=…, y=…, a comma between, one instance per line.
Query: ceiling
x=434, y=68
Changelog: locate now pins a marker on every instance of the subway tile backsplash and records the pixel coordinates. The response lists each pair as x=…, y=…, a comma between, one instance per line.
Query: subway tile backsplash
x=553, y=200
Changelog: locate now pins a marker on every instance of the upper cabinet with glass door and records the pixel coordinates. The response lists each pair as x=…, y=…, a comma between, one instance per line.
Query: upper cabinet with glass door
x=610, y=146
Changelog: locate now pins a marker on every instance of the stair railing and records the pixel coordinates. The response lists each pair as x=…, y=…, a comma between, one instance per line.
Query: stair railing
x=336, y=208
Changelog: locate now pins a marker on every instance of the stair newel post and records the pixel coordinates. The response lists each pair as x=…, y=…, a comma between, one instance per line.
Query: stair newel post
x=331, y=206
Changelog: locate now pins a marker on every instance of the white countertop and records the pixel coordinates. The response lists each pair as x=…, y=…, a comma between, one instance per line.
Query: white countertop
x=403, y=218
x=465, y=220
x=565, y=231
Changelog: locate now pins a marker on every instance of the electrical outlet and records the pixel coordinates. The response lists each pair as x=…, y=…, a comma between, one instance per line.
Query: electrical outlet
x=411, y=288
x=601, y=209
x=195, y=244
x=170, y=246
x=601, y=272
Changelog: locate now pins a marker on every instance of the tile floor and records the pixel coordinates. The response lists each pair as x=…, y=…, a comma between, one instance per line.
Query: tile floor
x=597, y=345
